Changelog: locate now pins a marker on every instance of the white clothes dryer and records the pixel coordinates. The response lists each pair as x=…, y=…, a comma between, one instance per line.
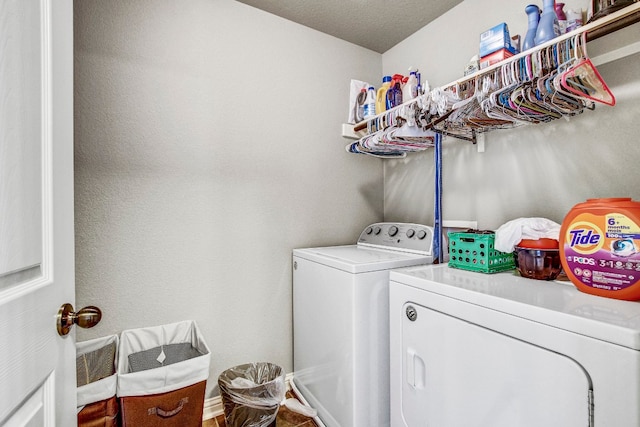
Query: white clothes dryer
x=477, y=350
x=341, y=321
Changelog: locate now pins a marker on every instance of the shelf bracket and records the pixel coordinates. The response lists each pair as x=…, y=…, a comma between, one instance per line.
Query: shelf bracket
x=480, y=139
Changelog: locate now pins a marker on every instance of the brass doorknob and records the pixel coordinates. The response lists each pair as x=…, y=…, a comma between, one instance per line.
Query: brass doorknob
x=87, y=317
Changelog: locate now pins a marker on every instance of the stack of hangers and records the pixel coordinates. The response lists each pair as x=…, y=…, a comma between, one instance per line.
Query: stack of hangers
x=558, y=81
x=397, y=132
x=394, y=141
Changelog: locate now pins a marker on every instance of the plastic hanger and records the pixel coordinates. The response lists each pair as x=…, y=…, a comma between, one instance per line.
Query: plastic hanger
x=584, y=80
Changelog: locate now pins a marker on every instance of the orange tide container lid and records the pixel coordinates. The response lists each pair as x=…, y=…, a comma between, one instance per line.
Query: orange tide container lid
x=600, y=247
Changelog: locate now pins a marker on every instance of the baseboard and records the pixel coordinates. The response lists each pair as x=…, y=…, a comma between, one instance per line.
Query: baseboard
x=213, y=406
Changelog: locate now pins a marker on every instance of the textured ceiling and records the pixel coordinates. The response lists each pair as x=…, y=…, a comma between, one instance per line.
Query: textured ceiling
x=375, y=24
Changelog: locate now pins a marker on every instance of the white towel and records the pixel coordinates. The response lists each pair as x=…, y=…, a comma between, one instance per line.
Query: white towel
x=510, y=233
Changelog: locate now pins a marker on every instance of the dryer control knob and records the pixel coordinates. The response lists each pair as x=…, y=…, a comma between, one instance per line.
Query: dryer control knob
x=422, y=234
x=393, y=230
x=377, y=230
x=411, y=232
x=369, y=230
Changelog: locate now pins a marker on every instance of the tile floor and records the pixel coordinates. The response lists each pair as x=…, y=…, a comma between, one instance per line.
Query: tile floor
x=285, y=418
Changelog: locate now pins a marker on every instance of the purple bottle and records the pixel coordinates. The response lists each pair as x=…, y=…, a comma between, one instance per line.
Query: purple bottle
x=562, y=18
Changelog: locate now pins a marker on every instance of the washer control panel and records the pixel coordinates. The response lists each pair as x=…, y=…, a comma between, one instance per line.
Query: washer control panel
x=415, y=238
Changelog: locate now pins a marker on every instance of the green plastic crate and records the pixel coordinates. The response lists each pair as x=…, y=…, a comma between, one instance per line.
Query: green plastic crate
x=474, y=251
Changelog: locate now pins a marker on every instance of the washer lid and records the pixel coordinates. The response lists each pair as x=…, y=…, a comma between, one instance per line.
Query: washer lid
x=360, y=259
x=554, y=303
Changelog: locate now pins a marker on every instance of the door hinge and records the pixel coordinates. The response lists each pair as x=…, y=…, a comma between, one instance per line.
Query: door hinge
x=591, y=407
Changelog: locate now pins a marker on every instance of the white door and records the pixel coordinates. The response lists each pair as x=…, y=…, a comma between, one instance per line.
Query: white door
x=37, y=366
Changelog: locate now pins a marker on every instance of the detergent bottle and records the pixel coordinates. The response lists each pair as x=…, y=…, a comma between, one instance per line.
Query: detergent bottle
x=394, y=94
x=574, y=19
x=548, y=27
x=599, y=247
x=370, y=103
x=381, y=99
x=533, y=16
x=562, y=17
x=410, y=88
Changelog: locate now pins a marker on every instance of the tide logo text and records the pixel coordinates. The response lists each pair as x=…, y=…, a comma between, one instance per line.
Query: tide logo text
x=584, y=237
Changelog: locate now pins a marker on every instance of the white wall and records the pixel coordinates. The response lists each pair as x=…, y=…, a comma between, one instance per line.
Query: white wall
x=540, y=170
x=207, y=143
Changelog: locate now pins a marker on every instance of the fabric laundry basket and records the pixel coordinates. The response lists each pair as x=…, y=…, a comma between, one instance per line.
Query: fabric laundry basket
x=251, y=394
x=162, y=375
x=96, y=366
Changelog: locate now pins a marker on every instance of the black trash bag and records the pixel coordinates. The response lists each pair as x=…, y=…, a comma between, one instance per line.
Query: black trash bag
x=251, y=394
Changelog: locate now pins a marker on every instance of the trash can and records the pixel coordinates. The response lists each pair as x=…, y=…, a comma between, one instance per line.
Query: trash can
x=96, y=362
x=162, y=376
x=251, y=394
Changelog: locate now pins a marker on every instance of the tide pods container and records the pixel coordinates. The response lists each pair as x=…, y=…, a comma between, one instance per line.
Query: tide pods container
x=599, y=242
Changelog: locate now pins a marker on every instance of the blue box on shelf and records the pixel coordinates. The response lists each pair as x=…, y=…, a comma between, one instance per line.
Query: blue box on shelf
x=495, y=39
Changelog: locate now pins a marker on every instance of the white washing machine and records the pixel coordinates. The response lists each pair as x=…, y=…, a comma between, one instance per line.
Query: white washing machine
x=341, y=321
x=476, y=350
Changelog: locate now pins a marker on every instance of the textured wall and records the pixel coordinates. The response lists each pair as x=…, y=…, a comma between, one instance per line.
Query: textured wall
x=540, y=170
x=207, y=143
